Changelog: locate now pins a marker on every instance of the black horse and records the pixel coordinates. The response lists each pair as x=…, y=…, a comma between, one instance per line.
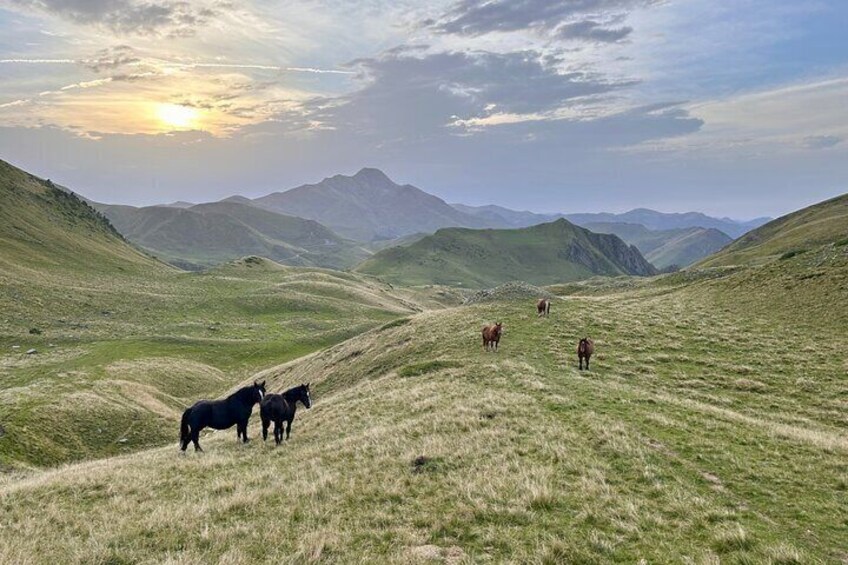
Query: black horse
x=281, y=407
x=221, y=414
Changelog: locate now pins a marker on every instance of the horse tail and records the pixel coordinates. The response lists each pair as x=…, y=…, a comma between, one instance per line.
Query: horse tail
x=184, y=430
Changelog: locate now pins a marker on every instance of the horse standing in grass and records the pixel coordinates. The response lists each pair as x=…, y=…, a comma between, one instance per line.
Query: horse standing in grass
x=221, y=414
x=543, y=307
x=492, y=336
x=585, y=349
x=282, y=407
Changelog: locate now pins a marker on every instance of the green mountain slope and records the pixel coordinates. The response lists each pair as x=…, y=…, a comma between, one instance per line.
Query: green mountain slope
x=806, y=229
x=664, y=248
x=43, y=226
x=368, y=206
x=543, y=254
x=209, y=234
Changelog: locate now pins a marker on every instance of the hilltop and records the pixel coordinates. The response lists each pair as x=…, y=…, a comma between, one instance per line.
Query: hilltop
x=368, y=206
x=44, y=226
x=664, y=248
x=798, y=232
x=209, y=234
x=543, y=254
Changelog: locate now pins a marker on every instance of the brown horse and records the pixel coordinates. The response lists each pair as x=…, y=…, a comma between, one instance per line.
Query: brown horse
x=585, y=349
x=543, y=307
x=492, y=336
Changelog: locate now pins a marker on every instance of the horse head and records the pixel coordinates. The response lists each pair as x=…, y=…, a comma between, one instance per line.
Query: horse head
x=304, y=396
x=258, y=391
x=498, y=328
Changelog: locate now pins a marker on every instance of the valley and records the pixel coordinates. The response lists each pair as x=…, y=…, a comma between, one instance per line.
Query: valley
x=712, y=422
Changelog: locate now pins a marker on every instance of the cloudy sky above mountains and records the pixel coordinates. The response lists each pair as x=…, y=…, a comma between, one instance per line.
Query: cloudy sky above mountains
x=732, y=108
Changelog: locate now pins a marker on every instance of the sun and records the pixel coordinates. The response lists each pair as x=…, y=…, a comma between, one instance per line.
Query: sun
x=176, y=116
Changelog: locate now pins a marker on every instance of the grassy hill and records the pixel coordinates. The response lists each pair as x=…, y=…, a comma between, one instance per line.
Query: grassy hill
x=801, y=231
x=543, y=254
x=208, y=234
x=43, y=226
x=368, y=206
x=710, y=429
x=664, y=248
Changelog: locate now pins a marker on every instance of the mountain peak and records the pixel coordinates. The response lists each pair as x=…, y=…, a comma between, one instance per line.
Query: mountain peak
x=371, y=174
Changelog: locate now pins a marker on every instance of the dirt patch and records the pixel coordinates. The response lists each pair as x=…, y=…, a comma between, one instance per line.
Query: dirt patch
x=431, y=552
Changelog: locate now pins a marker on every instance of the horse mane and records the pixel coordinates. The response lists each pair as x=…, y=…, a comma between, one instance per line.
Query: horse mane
x=290, y=393
x=242, y=392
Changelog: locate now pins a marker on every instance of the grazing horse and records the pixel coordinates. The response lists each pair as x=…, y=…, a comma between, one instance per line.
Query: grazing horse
x=221, y=414
x=585, y=349
x=492, y=336
x=543, y=307
x=281, y=407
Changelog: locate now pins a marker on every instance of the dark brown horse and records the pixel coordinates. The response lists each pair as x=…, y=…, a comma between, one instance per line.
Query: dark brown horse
x=543, y=307
x=585, y=349
x=279, y=408
x=492, y=336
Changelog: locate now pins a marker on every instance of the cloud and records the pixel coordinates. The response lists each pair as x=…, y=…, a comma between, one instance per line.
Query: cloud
x=478, y=17
x=589, y=30
x=177, y=18
x=112, y=58
x=822, y=141
x=413, y=94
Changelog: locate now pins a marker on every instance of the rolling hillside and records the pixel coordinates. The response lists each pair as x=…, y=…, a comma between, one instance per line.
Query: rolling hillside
x=664, y=248
x=798, y=232
x=209, y=234
x=368, y=206
x=680, y=445
x=43, y=226
x=543, y=254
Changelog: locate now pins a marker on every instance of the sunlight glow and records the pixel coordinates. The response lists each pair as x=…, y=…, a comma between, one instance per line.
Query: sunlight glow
x=175, y=116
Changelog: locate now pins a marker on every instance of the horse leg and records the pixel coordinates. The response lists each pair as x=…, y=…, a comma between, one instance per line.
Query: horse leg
x=587, y=363
x=278, y=431
x=581, y=362
x=195, y=436
x=244, y=432
x=288, y=429
x=265, y=423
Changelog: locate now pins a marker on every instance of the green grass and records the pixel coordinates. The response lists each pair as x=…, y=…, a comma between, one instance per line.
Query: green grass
x=822, y=223
x=119, y=357
x=543, y=254
x=712, y=427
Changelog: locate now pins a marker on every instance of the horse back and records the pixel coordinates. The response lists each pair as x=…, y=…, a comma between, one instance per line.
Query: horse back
x=273, y=406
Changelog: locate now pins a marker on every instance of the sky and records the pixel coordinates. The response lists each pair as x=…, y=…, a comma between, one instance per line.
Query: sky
x=735, y=109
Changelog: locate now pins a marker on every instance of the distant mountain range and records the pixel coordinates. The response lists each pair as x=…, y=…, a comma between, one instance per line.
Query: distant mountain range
x=665, y=248
x=318, y=225
x=544, y=254
x=369, y=206
x=650, y=219
x=208, y=234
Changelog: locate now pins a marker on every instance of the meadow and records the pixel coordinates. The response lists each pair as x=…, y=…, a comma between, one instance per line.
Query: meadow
x=711, y=428
x=120, y=355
